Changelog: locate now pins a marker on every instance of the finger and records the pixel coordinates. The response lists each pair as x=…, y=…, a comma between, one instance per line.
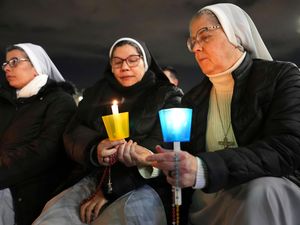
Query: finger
x=171, y=181
x=108, y=152
x=116, y=143
x=133, y=153
x=127, y=150
x=160, y=149
x=165, y=166
x=105, y=145
x=161, y=157
x=121, y=150
x=112, y=144
x=89, y=213
x=82, y=212
x=98, y=207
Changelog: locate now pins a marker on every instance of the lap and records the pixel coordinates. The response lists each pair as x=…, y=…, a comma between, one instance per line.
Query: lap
x=63, y=209
x=7, y=214
x=266, y=200
x=141, y=206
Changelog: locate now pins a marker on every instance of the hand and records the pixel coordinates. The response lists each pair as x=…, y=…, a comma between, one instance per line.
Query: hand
x=140, y=154
x=187, y=166
x=132, y=154
x=90, y=209
x=107, y=148
x=125, y=153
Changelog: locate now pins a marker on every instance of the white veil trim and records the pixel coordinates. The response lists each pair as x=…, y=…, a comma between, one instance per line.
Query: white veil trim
x=134, y=41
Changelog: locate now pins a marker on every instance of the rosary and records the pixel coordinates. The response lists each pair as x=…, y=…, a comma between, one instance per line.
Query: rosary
x=112, y=160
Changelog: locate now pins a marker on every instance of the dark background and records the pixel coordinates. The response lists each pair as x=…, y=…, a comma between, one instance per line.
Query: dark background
x=77, y=33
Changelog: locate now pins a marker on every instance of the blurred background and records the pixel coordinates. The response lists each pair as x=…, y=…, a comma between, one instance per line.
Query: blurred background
x=77, y=34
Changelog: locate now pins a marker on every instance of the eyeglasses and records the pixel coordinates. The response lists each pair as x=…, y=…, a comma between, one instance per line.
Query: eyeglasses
x=201, y=36
x=13, y=62
x=132, y=61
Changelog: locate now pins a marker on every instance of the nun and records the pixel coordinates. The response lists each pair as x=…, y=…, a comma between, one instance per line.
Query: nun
x=121, y=187
x=244, y=157
x=36, y=104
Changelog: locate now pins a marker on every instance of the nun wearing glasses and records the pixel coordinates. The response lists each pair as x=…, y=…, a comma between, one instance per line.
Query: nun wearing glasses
x=131, y=191
x=35, y=105
x=244, y=155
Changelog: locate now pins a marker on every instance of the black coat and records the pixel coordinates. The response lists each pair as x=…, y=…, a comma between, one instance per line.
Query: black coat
x=32, y=157
x=143, y=103
x=265, y=115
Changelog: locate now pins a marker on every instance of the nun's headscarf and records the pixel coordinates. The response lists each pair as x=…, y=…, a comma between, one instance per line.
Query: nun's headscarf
x=41, y=61
x=149, y=62
x=240, y=29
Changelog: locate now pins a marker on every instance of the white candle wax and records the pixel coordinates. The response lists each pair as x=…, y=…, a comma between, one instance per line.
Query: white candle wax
x=114, y=107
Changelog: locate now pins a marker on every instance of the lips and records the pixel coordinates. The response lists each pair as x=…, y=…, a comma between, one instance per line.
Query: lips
x=200, y=57
x=9, y=77
x=126, y=77
x=201, y=60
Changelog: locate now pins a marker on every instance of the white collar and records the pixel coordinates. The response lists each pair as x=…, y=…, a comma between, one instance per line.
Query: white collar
x=224, y=81
x=33, y=87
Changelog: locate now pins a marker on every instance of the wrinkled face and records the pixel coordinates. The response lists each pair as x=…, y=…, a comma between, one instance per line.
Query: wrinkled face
x=21, y=72
x=127, y=65
x=213, y=52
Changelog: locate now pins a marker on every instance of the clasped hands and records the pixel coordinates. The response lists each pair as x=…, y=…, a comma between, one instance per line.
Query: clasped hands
x=132, y=154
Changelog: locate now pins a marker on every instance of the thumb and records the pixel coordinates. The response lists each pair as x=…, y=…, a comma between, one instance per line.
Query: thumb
x=160, y=149
x=156, y=156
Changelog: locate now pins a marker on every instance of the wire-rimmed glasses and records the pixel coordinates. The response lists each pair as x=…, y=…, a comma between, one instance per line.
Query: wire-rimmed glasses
x=13, y=62
x=200, y=36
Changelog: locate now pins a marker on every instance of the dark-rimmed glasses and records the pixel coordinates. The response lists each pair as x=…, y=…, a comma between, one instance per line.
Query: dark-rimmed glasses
x=132, y=61
x=13, y=62
x=200, y=36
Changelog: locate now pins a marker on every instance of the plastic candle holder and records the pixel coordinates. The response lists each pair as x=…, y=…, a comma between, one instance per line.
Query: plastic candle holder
x=176, y=128
x=176, y=124
x=117, y=125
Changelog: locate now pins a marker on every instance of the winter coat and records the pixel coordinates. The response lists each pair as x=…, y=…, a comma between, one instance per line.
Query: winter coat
x=143, y=101
x=32, y=156
x=265, y=116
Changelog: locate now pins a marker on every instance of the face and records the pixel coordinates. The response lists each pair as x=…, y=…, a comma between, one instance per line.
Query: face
x=214, y=53
x=22, y=73
x=128, y=75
